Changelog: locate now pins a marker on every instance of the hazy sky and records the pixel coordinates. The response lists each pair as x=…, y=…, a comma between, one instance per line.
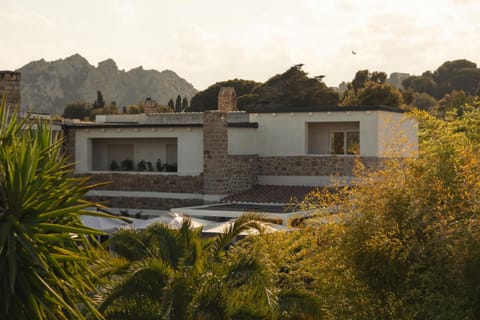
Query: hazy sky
x=206, y=41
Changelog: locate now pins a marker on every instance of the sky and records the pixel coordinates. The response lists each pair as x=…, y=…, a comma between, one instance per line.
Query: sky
x=206, y=41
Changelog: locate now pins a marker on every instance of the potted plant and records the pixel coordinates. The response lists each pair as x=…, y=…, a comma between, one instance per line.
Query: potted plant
x=127, y=165
x=171, y=167
x=159, y=165
x=142, y=165
x=114, y=166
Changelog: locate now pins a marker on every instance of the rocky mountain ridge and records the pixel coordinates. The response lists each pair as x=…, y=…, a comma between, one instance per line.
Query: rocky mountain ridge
x=50, y=86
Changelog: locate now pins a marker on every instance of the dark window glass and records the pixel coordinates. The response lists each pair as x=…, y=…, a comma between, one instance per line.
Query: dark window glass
x=353, y=142
x=338, y=142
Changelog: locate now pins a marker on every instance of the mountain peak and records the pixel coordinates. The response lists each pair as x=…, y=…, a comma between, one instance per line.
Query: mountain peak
x=76, y=58
x=48, y=86
x=108, y=65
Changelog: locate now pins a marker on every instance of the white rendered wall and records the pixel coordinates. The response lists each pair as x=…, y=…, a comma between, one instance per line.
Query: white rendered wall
x=286, y=134
x=146, y=149
x=319, y=135
x=189, y=139
x=242, y=141
x=397, y=135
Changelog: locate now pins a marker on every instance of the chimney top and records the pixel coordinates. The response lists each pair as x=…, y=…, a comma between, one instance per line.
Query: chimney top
x=227, y=99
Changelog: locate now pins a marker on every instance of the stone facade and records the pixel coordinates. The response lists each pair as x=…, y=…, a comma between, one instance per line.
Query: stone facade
x=215, y=153
x=10, y=87
x=222, y=173
x=312, y=165
x=243, y=173
x=121, y=181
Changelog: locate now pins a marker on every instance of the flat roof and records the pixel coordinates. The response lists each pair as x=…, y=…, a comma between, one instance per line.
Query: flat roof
x=246, y=207
x=152, y=125
x=329, y=109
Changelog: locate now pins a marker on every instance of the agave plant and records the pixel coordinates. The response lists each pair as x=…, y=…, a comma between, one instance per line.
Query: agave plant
x=45, y=251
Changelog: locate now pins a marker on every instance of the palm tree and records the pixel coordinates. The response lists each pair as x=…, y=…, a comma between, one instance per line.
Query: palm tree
x=160, y=273
x=45, y=251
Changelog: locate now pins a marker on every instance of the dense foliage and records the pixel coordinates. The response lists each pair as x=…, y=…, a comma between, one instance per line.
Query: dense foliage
x=45, y=251
x=451, y=75
x=371, y=89
x=403, y=242
x=291, y=89
x=161, y=273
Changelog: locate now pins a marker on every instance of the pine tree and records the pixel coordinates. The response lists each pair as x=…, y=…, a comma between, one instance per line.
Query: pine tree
x=185, y=105
x=171, y=104
x=99, y=103
x=178, y=104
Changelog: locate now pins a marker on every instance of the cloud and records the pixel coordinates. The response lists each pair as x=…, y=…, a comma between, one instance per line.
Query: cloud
x=125, y=13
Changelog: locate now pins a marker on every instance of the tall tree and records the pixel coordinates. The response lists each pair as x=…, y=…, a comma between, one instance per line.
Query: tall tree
x=99, y=103
x=185, y=106
x=424, y=101
x=178, y=104
x=451, y=75
x=291, y=89
x=369, y=89
x=45, y=251
x=361, y=77
x=171, y=104
x=375, y=94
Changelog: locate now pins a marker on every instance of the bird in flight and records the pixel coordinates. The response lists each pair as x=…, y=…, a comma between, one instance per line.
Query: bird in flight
x=353, y=52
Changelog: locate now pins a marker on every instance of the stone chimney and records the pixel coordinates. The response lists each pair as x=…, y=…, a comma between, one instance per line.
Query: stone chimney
x=10, y=87
x=215, y=153
x=227, y=99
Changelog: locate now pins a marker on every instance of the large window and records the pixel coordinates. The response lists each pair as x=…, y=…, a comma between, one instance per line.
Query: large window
x=345, y=142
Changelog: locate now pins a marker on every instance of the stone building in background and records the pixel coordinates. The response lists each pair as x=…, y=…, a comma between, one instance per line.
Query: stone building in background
x=10, y=87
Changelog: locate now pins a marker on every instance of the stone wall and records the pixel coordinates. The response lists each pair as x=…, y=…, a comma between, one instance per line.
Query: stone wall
x=145, y=203
x=312, y=165
x=243, y=172
x=215, y=153
x=10, y=87
x=121, y=181
x=222, y=173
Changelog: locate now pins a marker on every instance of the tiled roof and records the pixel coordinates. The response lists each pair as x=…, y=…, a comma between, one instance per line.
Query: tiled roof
x=270, y=194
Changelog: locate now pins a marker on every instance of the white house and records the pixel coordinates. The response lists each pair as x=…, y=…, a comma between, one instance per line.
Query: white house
x=166, y=160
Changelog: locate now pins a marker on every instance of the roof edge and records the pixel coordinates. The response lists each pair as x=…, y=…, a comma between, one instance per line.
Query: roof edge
x=331, y=109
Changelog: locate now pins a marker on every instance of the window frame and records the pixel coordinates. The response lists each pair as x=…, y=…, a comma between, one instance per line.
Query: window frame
x=345, y=146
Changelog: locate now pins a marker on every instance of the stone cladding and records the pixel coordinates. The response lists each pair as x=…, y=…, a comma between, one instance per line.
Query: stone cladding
x=119, y=181
x=10, y=87
x=215, y=153
x=312, y=165
x=224, y=174
x=243, y=173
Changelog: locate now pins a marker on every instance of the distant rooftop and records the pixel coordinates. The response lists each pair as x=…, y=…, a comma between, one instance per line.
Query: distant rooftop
x=271, y=194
